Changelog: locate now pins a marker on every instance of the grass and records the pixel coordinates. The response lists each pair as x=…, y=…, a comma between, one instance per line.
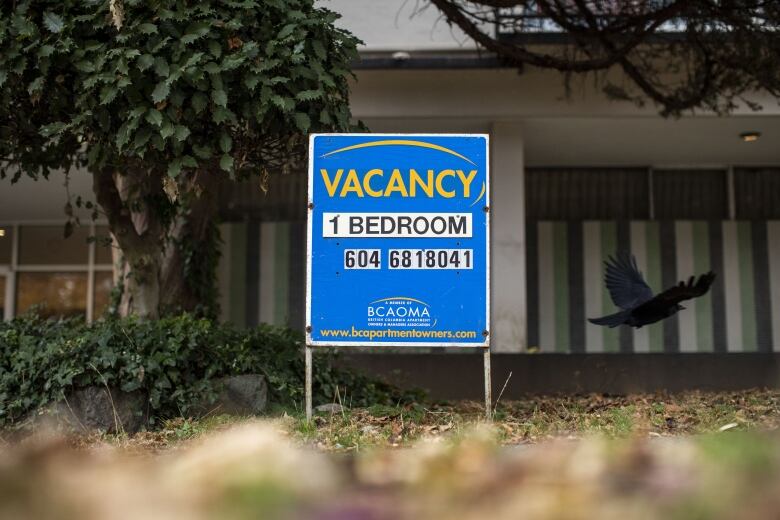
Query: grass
x=542, y=418
x=529, y=421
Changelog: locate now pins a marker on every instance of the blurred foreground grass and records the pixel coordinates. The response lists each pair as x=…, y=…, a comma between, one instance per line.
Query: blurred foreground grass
x=695, y=455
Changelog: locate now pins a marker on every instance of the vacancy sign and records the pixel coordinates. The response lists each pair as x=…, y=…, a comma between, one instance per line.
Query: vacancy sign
x=398, y=240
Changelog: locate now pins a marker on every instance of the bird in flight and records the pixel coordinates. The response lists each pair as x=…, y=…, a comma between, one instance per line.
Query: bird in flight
x=633, y=296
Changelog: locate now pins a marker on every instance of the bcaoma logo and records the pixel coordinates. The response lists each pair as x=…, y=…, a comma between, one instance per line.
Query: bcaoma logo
x=399, y=311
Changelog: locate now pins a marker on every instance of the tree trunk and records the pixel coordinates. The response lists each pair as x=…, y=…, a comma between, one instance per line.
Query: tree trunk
x=188, y=276
x=137, y=231
x=165, y=248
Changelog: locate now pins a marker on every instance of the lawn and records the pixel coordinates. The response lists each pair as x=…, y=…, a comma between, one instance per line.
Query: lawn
x=537, y=419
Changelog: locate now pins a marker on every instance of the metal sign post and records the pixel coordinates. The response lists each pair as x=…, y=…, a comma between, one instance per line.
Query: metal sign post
x=398, y=242
x=488, y=385
x=308, y=382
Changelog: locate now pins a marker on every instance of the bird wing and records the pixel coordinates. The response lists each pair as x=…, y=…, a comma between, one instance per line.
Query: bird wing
x=626, y=285
x=687, y=290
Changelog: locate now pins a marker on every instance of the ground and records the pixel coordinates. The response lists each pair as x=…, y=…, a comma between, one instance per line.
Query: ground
x=694, y=455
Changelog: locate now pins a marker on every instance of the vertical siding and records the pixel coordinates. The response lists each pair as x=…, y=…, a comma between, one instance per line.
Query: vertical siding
x=731, y=287
x=773, y=247
x=701, y=264
x=561, y=280
x=747, y=286
x=654, y=280
x=611, y=337
x=686, y=321
x=593, y=281
x=736, y=315
x=281, y=281
x=545, y=252
x=639, y=250
x=237, y=278
x=267, y=287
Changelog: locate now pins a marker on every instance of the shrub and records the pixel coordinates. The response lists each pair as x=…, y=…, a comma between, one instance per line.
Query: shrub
x=174, y=360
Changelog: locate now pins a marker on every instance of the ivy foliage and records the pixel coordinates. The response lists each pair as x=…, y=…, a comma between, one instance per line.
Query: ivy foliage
x=218, y=84
x=174, y=361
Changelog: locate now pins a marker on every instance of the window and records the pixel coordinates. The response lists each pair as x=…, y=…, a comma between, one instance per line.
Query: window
x=40, y=245
x=587, y=193
x=6, y=244
x=688, y=194
x=58, y=294
x=103, y=248
x=62, y=277
x=104, y=282
x=625, y=194
x=757, y=193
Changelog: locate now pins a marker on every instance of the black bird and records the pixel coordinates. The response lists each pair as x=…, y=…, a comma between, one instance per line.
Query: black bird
x=630, y=292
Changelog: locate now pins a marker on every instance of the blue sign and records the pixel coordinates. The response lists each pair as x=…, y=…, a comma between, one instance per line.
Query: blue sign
x=398, y=240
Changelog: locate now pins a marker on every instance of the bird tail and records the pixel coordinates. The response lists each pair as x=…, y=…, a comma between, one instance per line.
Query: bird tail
x=613, y=320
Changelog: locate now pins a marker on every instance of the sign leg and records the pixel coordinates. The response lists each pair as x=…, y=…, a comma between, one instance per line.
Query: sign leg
x=308, y=383
x=488, y=385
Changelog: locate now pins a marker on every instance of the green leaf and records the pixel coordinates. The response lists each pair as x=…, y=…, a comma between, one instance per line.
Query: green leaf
x=204, y=152
x=123, y=135
x=319, y=49
x=177, y=98
x=107, y=94
x=147, y=28
x=167, y=129
x=45, y=51
x=36, y=85
x=225, y=142
x=325, y=118
x=302, y=121
x=215, y=48
x=142, y=137
x=181, y=133
x=221, y=115
x=283, y=103
x=286, y=31
x=53, y=22
x=212, y=68
x=199, y=102
x=161, y=92
x=137, y=112
x=194, y=31
x=145, y=61
x=174, y=168
x=309, y=95
x=158, y=142
x=161, y=67
x=219, y=97
x=192, y=60
x=251, y=81
x=226, y=163
x=189, y=161
x=52, y=129
x=154, y=117
x=233, y=61
x=85, y=66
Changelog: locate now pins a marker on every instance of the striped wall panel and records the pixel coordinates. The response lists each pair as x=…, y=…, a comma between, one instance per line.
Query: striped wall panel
x=266, y=262
x=736, y=316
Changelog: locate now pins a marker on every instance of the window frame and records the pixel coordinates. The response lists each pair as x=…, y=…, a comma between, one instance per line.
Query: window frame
x=9, y=271
x=651, y=168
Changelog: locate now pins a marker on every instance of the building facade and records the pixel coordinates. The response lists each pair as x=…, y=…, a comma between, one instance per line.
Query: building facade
x=575, y=177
